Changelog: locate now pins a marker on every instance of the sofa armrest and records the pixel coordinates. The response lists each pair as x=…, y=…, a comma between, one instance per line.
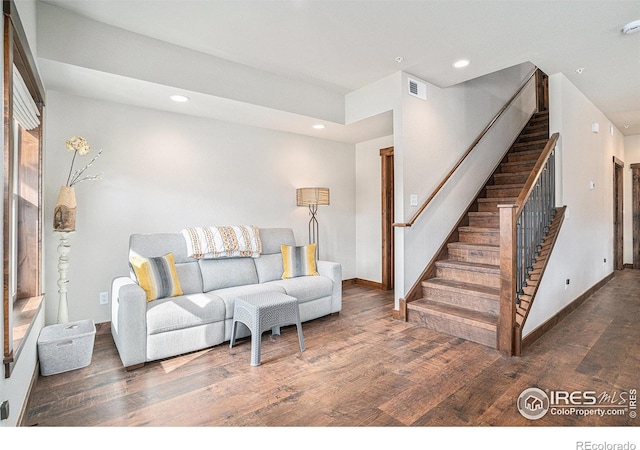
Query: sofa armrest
x=333, y=271
x=129, y=320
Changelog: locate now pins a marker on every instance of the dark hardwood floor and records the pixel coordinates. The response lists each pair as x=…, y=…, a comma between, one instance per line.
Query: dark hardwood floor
x=361, y=368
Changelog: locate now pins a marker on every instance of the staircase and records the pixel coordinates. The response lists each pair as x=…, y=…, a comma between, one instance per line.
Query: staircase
x=462, y=299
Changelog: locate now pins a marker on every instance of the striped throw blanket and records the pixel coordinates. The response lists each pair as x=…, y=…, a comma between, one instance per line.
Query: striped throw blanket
x=223, y=242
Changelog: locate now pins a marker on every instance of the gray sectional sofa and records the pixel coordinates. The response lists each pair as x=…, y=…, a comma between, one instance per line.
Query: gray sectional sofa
x=202, y=317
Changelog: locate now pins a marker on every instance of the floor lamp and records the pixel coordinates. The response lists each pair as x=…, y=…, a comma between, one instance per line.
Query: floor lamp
x=313, y=197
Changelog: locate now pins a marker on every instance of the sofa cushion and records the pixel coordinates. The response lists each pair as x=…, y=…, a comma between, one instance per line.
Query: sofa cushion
x=269, y=267
x=298, y=261
x=305, y=288
x=229, y=295
x=158, y=244
x=222, y=273
x=190, y=277
x=273, y=238
x=157, y=276
x=183, y=312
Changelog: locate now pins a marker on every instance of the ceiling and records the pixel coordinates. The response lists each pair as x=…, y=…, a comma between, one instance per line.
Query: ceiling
x=345, y=45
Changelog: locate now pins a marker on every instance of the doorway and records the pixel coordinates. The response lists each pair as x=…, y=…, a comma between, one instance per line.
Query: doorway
x=386, y=157
x=618, y=222
x=635, y=198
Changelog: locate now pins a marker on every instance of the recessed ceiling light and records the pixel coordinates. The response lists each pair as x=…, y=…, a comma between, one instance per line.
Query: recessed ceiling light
x=626, y=126
x=579, y=70
x=631, y=27
x=399, y=59
x=461, y=63
x=179, y=98
x=318, y=126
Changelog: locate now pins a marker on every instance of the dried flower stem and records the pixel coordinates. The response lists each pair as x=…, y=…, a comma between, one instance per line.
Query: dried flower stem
x=76, y=176
x=71, y=168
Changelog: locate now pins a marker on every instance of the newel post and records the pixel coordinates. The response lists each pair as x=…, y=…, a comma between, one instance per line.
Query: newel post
x=507, y=316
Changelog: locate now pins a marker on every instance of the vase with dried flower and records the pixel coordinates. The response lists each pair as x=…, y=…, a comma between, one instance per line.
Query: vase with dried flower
x=64, y=214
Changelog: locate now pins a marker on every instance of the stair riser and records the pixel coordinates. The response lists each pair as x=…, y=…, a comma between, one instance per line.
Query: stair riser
x=523, y=156
x=484, y=222
x=526, y=146
x=504, y=192
x=454, y=328
x=535, y=136
x=520, y=166
x=469, y=276
x=536, y=125
x=479, y=237
x=461, y=300
x=475, y=256
x=492, y=206
x=510, y=178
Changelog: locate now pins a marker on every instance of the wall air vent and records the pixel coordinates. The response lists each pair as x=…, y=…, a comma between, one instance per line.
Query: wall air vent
x=417, y=88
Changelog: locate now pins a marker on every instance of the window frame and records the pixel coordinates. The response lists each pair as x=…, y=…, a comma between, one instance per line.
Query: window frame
x=19, y=313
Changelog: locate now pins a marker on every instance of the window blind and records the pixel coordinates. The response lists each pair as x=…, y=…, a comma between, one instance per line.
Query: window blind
x=25, y=110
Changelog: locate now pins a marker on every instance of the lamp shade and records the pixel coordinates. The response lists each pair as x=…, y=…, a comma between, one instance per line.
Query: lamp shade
x=312, y=196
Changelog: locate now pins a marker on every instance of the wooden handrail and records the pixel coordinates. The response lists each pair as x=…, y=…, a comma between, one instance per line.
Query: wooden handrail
x=466, y=153
x=535, y=173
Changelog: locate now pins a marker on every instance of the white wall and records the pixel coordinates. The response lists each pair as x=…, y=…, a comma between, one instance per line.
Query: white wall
x=586, y=237
x=632, y=156
x=369, y=209
x=163, y=172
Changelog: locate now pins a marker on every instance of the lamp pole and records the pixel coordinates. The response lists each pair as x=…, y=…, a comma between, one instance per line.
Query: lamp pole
x=314, y=235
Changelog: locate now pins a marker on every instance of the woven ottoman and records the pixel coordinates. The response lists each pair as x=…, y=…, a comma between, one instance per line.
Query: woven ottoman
x=262, y=312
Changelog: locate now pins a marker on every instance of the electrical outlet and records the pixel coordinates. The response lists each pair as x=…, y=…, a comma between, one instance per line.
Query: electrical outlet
x=104, y=298
x=605, y=261
x=566, y=284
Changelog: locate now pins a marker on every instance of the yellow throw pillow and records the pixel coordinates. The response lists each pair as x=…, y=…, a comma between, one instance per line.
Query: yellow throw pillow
x=157, y=276
x=298, y=261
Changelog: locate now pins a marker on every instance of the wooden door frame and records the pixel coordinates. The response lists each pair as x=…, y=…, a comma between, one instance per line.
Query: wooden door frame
x=618, y=216
x=635, y=189
x=387, y=214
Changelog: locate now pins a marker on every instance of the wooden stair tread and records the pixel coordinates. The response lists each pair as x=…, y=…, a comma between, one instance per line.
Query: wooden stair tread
x=526, y=163
x=471, y=267
x=504, y=186
x=487, y=247
x=526, y=152
x=479, y=229
x=484, y=213
x=461, y=287
x=530, y=143
x=509, y=174
x=457, y=314
x=500, y=200
x=529, y=132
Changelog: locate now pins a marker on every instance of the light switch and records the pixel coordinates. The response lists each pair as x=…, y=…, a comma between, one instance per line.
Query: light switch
x=413, y=200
